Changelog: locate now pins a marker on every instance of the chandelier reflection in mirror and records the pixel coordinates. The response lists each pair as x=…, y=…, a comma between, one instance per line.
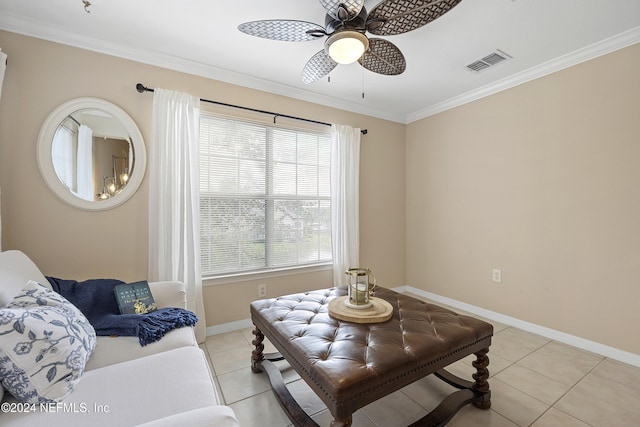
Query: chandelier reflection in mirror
x=112, y=185
x=88, y=145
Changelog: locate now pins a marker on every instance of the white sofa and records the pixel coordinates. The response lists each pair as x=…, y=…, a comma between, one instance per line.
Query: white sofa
x=166, y=383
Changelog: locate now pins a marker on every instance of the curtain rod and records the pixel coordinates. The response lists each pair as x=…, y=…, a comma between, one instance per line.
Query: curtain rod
x=142, y=88
x=73, y=118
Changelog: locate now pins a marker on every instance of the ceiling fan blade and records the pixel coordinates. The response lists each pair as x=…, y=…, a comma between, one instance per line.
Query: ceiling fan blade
x=317, y=67
x=391, y=17
x=336, y=8
x=283, y=30
x=383, y=57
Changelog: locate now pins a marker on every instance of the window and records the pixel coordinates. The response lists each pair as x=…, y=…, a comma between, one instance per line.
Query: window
x=264, y=197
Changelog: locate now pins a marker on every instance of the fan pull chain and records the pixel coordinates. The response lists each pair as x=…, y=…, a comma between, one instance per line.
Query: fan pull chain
x=363, y=83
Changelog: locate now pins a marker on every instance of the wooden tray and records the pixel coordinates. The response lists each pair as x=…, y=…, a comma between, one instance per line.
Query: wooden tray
x=380, y=311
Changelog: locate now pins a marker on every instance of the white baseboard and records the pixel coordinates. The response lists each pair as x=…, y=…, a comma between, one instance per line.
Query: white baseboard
x=229, y=327
x=594, y=347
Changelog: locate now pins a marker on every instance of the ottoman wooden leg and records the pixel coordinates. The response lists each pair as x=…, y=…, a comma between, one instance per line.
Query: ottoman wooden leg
x=256, y=355
x=481, y=385
x=341, y=423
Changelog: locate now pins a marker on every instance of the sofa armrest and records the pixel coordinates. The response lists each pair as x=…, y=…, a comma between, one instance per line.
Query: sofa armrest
x=16, y=269
x=169, y=294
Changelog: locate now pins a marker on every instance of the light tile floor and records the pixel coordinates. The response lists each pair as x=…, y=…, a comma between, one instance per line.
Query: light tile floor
x=534, y=382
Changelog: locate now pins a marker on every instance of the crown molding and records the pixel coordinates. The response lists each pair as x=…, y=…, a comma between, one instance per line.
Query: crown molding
x=41, y=30
x=16, y=24
x=587, y=53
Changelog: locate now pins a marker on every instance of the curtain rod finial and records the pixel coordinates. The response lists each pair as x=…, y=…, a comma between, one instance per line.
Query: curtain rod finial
x=140, y=87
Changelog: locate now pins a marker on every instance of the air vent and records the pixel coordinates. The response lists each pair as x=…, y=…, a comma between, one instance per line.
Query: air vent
x=490, y=60
x=478, y=66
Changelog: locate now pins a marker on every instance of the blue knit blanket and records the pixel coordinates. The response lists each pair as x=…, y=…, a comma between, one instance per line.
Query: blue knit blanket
x=96, y=300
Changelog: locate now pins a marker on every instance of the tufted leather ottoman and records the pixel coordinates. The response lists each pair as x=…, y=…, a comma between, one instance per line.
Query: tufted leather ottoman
x=349, y=365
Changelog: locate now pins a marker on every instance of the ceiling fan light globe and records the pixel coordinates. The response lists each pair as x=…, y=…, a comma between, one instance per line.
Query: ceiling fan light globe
x=346, y=47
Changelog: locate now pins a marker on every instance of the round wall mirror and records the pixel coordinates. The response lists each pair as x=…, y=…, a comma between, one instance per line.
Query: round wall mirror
x=91, y=154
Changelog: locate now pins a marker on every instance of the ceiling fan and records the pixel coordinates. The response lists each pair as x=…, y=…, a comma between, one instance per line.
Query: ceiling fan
x=346, y=23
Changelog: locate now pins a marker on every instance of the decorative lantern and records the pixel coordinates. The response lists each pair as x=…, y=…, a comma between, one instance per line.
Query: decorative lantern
x=360, y=288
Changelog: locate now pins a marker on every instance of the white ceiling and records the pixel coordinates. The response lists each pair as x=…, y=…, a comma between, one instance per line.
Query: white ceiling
x=201, y=37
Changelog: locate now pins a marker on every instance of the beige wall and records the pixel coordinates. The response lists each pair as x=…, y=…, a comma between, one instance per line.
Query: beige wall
x=543, y=182
x=72, y=243
x=540, y=181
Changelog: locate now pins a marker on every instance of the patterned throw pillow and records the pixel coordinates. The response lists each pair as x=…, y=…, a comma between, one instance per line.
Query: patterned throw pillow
x=45, y=343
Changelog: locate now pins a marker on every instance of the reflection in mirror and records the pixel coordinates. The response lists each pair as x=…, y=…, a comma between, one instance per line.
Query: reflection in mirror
x=92, y=154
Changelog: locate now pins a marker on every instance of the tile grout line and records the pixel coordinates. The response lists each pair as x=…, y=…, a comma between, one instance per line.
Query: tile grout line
x=549, y=406
x=614, y=381
x=569, y=391
x=592, y=372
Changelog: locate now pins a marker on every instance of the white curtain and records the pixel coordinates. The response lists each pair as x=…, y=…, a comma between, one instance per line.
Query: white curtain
x=345, y=178
x=84, y=175
x=174, y=221
x=64, y=155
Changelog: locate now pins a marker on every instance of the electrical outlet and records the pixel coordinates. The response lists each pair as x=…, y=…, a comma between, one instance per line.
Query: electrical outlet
x=496, y=275
x=262, y=290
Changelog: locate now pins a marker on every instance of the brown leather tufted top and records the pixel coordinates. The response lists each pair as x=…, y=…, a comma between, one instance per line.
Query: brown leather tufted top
x=350, y=365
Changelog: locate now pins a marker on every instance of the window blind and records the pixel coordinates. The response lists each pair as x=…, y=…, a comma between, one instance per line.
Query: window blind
x=264, y=196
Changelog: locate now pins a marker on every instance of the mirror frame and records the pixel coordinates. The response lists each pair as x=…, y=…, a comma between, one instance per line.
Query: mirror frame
x=45, y=164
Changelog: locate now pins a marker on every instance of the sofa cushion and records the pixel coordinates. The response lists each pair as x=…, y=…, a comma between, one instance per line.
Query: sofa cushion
x=45, y=343
x=131, y=393
x=211, y=416
x=112, y=350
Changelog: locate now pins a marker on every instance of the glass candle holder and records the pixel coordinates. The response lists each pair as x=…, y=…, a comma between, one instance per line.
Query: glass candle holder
x=360, y=288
